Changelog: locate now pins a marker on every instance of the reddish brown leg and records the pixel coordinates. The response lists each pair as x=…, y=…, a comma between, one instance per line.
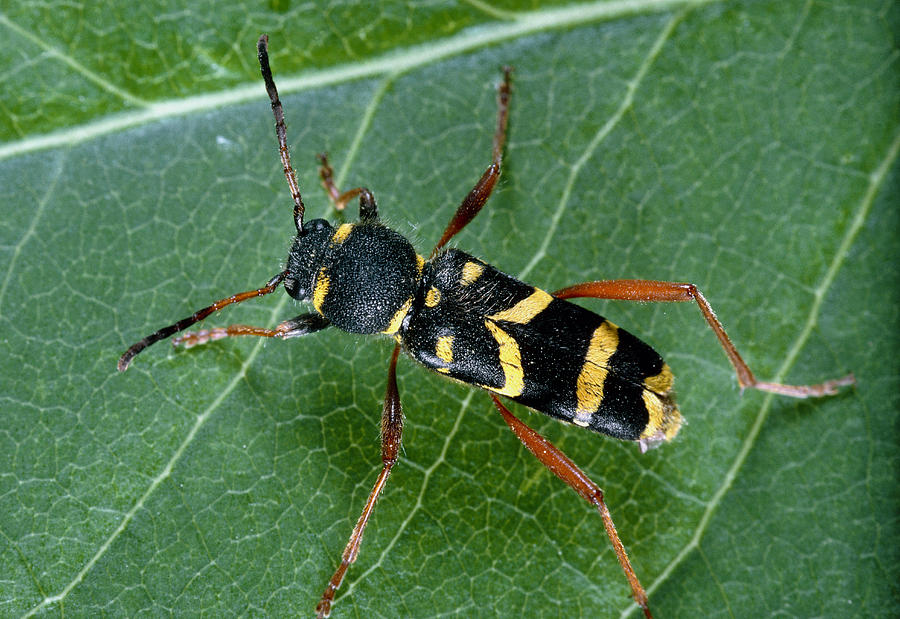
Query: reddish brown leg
x=367, y=208
x=196, y=317
x=391, y=431
x=476, y=199
x=295, y=327
x=561, y=466
x=649, y=290
x=195, y=338
x=326, y=173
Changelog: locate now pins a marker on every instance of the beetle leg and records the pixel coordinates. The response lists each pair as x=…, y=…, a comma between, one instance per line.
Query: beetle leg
x=326, y=173
x=184, y=323
x=656, y=291
x=303, y=324
x=479, y=194
x=367, y=207
x=561, y=466
x=391, y=433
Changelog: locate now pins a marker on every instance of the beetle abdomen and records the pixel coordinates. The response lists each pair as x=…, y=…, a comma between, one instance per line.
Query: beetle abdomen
x=480, y=326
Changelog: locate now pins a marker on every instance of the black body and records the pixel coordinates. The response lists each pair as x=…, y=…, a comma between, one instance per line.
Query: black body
x=464, y=319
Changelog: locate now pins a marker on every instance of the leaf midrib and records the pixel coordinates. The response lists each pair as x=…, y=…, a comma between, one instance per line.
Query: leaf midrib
x=393, y=62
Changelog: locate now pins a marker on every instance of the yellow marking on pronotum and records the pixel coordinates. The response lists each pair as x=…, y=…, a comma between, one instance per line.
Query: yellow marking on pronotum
x=589, y=386
x=444, y=348
x=510, y=361
x=470, y=272
x=420, y=265
x=397, y=319
x=340, y=235
x=321, y=289
x=526, y=309
x=432, y=297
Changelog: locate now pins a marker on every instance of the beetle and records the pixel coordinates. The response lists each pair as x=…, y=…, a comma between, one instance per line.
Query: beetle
x=460, y=317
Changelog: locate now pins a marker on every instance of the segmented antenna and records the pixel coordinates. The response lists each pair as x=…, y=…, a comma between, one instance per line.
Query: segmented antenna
x=262, y=49
x=196, y=317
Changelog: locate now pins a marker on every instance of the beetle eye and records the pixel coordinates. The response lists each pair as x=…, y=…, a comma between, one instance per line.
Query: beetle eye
x=292, y=286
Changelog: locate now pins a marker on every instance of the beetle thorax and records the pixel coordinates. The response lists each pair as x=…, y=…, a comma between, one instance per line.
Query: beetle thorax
x=362, y=276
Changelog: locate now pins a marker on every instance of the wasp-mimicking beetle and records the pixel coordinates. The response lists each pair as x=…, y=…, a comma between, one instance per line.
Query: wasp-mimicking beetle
x=461, y=317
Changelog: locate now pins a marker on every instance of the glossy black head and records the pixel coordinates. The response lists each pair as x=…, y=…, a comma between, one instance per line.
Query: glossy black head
x=305, y=258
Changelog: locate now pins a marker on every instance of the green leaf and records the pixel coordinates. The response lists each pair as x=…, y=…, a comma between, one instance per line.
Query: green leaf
x=750, y=148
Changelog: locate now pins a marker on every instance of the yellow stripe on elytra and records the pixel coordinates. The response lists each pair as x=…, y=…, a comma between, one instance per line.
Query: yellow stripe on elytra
x=444, y=348
x=432, y=297
x=340, y=235
x=662, y=382
x=323, y=282
x=589, y=386
x=510, y=362
x=397, y=320
x=525, y=310
x=664, y=417
x=470, y=272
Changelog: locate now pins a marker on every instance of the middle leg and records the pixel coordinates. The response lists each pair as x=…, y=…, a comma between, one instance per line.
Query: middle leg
x=391, y=434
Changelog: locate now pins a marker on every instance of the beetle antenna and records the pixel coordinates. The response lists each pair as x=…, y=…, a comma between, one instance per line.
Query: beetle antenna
x=184, y=323
x=262, y=49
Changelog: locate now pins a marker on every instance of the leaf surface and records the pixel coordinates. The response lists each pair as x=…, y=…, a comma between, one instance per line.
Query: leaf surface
x=750, y=148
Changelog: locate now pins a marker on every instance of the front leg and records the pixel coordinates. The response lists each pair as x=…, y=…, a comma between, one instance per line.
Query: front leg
x=304, y=324
x=270, y=287
x=367, y=207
